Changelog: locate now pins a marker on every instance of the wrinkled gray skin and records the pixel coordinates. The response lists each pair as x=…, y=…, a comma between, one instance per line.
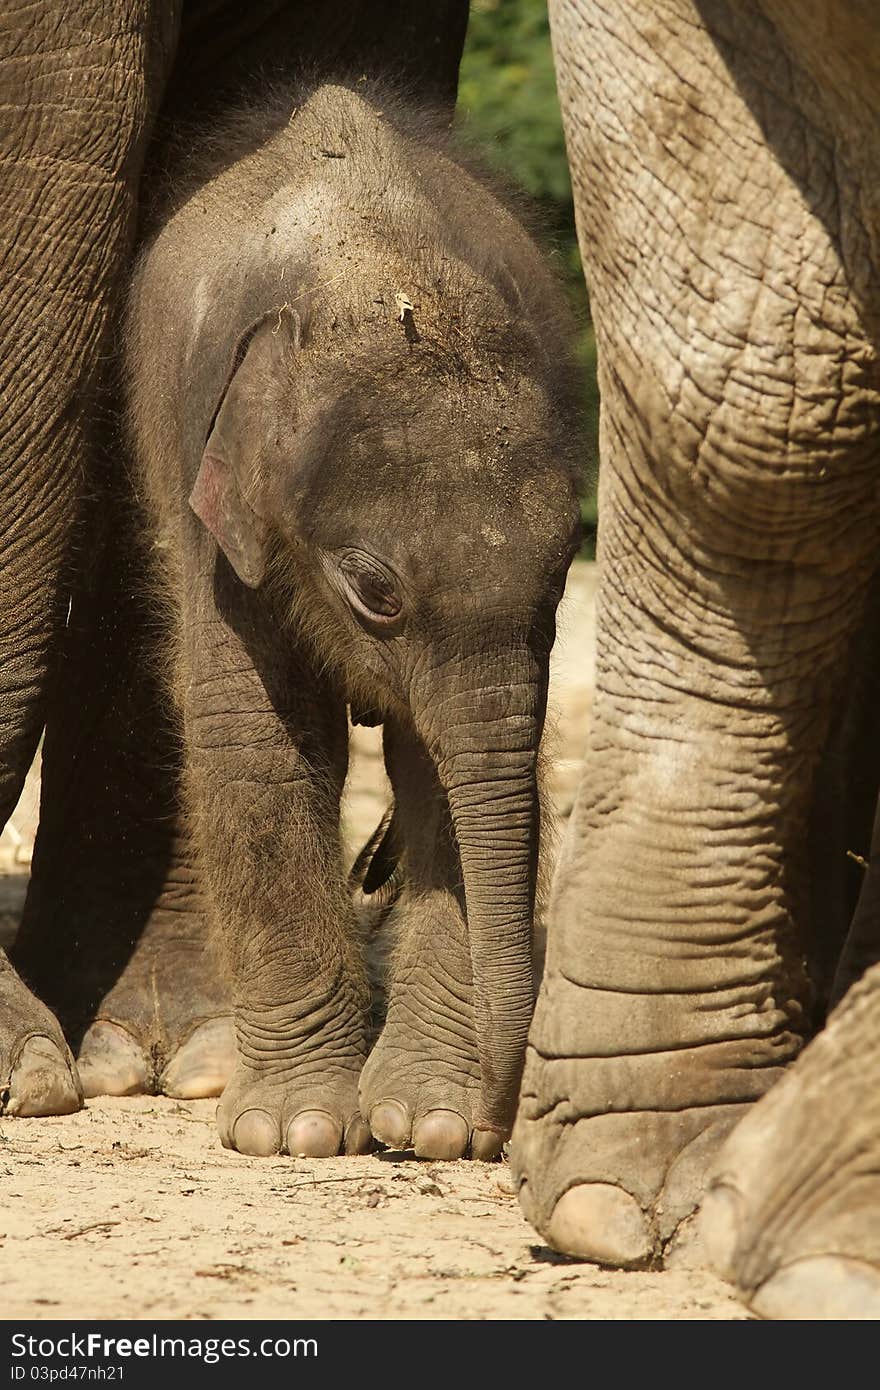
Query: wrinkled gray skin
x=114, y=935
x=356, y=500
x=726, y=165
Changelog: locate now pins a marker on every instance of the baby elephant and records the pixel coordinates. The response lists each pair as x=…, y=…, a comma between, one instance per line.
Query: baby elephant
x=354, y=418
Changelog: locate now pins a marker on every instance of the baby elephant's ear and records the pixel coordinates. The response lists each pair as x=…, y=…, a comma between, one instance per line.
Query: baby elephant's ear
x=230, y=494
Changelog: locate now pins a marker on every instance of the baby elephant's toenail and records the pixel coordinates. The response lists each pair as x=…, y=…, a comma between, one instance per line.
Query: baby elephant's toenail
x=390, y=1123
x=441, y=1134
x=314, y=1134
x=486, y=1145
x=255, y=1132
x=358, y=1139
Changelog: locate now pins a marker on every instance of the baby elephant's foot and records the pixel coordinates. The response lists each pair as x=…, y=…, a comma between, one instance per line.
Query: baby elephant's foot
x=420, y=1088
x=306, y=1116
x=792, y=1217
x=37, y=1073
x=412, y=1105
x=294, y=1087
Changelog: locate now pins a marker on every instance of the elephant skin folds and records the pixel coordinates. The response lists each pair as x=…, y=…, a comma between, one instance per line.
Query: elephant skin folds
x=731, y=262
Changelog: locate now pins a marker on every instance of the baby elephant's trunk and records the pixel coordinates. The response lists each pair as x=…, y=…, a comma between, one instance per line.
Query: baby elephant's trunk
x=486, y=759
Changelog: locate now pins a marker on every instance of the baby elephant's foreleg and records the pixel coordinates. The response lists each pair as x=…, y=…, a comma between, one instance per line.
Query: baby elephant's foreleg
x=267, y=754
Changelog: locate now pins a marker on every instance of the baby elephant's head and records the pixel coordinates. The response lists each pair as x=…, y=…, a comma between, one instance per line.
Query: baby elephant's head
x=417, y=515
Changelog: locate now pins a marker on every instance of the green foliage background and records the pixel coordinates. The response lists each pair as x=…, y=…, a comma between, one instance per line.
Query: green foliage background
x=508, y=106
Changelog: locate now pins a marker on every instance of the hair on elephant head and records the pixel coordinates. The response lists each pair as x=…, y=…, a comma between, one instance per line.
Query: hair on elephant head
x=404, y=499
x=350, y=360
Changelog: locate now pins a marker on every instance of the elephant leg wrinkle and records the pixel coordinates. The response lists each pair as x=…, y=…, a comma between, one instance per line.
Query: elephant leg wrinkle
x=735, y=308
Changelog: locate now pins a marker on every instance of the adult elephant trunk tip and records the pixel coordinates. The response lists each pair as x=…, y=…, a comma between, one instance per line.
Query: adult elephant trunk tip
x=489, y=773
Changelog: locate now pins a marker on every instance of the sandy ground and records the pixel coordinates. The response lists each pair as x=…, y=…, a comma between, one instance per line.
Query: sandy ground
x=131, y=1209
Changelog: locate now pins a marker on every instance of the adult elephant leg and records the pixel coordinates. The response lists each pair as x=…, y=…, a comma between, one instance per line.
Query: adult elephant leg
x=792, y=1216
x=133, y=976
x=739, y=444
x=79, y=90
x=266, y=743
x=37, y=1072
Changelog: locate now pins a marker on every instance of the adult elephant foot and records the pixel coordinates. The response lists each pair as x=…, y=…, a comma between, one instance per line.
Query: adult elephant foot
x=652, y=1032
x=605, y=1173
x=420, y=1088
x=38, y=1075
x=147, y=1007
x=114, y=935
x=165, y=1026
x=792, y=1217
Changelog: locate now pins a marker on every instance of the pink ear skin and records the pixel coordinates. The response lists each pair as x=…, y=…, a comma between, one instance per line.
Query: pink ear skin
x=216, y=500
x=252, y=410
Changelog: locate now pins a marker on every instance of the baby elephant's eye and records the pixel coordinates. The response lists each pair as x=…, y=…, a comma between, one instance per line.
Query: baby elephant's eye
x=371, y=590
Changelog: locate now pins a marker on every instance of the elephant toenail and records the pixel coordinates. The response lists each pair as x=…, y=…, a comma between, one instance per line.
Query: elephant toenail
x=202, y=1064
x=255, y=1132
x=314, y=1134
x=823, y=1288
x=43, y=1081
x=112, y=1062
x=390, y=1123
x=486, y=1145
x=527, y=1206
x=441, y=1134
x=601, y=1223
x=358, y=1139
